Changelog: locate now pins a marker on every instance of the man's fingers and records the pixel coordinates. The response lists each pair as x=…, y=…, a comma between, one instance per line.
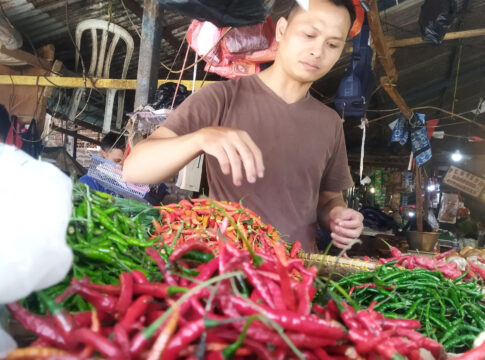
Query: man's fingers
x=256, y=152
x=236, y=165
x=248, y=161
x=348, y=233
x=350, y=224
x=341, y=241
x=223, y=160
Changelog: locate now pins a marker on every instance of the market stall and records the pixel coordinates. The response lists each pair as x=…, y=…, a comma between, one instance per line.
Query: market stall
x=208, y=278
x=190, y=276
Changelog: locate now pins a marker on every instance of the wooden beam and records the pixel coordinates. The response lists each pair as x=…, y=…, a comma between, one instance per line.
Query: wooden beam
x=450, y=36
x=379, y=42
x=149, y=55
x=74, y=134
x=418, y=40
x=391, y=90
x=78, y=82
x=33, y=60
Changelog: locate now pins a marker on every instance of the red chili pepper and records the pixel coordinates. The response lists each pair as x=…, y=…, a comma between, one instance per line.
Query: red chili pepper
x=389, y=323
x=258, y=284
x=289, y=298
x=321, y=354
x=135, y=310
x=295, y=249
x=189, y=246
x=310, y=324
x=305, y=287
x=124, y=301
x=433, y=346
x=157, y=290
x=102, y=288
x=183, y=338
x=99, y=343
x=139, y=277
x=39, y=325
x=121, y=338
x=106, y=303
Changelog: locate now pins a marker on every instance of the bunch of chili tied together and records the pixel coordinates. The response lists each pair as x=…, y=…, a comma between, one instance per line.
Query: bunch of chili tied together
x=450, y=311
x=229, y=308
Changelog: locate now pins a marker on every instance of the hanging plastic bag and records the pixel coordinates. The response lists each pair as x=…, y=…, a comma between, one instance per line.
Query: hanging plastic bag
x=436, y=18
x=238, y=55
x=223, y=12
x=449, y=208
x=165, y=94
x=248, y=39
x=32, y=143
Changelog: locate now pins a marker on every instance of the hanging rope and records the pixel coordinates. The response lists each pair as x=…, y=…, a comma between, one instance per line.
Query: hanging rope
x=180, y=77
x=363, y=125
x=456, y=80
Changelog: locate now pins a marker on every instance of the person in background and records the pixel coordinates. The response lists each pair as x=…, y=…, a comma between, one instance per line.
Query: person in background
x=112, y=148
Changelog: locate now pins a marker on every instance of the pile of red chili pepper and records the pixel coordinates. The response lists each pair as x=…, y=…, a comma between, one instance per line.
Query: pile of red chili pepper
x=449, y=270
x=208, y=220
x=229, y=307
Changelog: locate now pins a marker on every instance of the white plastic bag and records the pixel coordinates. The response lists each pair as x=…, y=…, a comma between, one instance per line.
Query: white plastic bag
x=35, y=209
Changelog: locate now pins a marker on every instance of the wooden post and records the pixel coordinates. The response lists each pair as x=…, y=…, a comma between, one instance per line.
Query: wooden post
x=419, y=199
x=149, y=57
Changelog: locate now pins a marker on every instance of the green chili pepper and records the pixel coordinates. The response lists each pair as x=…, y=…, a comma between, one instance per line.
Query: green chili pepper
x=198, y=256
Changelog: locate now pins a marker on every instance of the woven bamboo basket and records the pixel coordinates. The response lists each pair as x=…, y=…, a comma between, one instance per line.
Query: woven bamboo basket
x=328, y=264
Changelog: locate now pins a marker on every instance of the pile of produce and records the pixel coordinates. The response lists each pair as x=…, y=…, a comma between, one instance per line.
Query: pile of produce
x=207, y=279
x=108, y=236
x=229, y=308
x=447, y=264
x=208, y=220
x=450, y=311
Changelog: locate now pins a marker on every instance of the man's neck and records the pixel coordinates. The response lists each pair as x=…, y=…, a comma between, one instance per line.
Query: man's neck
x=288, y=89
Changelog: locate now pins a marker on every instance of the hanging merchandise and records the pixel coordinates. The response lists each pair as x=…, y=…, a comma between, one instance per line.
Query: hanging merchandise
x=13, y=136
x=436, y=18
x=241, y=50
x=403, y=131
x=164, y=96
x=223, y=13
x=449, y=208
x=354, y=90
x=32, y=143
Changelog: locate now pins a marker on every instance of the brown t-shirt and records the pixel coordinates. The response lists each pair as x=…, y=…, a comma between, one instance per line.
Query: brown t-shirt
x=303, y=150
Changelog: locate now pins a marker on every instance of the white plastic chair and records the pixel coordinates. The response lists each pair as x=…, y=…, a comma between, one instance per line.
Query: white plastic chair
x=100, y=65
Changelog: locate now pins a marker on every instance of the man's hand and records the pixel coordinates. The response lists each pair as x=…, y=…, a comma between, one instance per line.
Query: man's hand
x=233, y=149
x=345, y=225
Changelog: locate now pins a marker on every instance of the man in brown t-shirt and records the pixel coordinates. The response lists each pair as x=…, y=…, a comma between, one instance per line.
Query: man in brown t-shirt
x=289, y=146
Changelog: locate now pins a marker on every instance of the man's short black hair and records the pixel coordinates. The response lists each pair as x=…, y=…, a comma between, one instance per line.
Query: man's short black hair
x=113, y=141
x=345, y=3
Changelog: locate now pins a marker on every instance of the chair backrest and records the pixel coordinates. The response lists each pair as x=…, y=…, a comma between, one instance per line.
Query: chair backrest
x=100, y=59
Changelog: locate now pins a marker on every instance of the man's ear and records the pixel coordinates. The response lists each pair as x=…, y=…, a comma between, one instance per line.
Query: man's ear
x=103, y=154
x=281, y=26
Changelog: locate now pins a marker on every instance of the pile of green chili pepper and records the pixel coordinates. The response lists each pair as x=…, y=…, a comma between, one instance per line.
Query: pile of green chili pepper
x=108, y=236
x=450, y=311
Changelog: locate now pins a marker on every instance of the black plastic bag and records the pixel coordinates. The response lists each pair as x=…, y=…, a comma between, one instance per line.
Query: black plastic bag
x=223, y=12
x=32, y=143
x=164, y=96
x=436, y=18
